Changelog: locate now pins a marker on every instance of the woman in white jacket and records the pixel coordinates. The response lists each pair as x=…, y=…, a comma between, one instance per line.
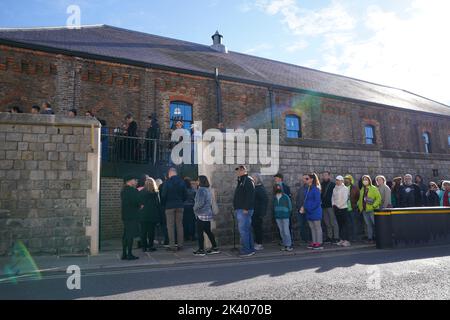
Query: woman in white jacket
x=340, y=204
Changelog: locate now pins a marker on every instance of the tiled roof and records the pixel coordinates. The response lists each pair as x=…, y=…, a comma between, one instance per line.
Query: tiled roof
x=145, y=49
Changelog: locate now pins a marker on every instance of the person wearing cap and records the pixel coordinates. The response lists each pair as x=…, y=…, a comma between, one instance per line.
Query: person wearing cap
x=355, y=221
x=410, y=195
x=385, y=192
x=279, y=180
x=131, y=206
x=282, y=208
x=244, y=204
x=340, y=205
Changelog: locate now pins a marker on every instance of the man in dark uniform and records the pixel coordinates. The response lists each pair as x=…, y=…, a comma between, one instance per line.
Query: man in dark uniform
x=131, y=204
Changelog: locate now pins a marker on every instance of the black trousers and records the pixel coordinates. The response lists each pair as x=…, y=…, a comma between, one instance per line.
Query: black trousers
x=205, y=227
x=257, y=224
x=127, y=244
x=189, y=223
x=147, y=234
x=342, y=220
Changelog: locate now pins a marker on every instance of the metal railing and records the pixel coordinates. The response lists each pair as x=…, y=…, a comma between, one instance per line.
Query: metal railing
x=134, y=150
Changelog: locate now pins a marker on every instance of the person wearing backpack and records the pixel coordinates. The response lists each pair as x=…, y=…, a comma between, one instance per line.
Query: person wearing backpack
x=204, y=208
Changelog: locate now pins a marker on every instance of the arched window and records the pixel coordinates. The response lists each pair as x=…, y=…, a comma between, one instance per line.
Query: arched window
x=293, y=127
x=427, y=142
x=181, y=111
x=370, y=134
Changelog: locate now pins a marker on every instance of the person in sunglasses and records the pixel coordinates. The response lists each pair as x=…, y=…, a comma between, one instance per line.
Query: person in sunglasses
x=312, y=207
x=432, y=196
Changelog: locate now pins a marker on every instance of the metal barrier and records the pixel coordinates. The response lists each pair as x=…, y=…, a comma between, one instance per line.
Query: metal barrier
x=411, y=227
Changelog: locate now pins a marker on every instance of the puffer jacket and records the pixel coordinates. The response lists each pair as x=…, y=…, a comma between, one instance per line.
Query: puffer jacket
x=313, y=204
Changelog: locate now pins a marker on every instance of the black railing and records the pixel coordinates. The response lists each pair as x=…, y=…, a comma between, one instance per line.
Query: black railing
x=136, y=150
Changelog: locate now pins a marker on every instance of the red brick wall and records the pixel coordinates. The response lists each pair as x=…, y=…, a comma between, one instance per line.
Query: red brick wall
x=112, y=90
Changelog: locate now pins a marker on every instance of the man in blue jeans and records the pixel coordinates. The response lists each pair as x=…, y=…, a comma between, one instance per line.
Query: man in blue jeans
x=244, y=204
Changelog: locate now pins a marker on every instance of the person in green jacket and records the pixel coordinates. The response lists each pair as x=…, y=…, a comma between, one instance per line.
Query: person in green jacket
x=369, y=201
x=282, y=208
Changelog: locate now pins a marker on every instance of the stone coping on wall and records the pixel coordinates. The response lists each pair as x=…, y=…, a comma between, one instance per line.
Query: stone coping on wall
x=312, y=143
x=46, y=120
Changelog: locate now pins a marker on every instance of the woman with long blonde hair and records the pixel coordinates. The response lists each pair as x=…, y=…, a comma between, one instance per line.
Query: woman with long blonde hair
x=150, y=214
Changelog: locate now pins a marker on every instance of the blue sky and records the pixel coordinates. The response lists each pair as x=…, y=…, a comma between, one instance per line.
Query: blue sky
x=398, y=43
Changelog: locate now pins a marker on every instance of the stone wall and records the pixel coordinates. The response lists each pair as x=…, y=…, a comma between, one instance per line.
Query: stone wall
x=294, y=161
x=297, y=160
x=49, y=173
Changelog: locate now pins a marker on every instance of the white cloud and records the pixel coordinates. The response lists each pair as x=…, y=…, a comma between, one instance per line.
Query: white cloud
x=297, y=46
x=407, y=49
x=309, y=22
x=258, y=48
x=409, y=53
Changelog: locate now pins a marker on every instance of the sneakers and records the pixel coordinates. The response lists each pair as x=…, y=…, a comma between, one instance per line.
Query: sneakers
x=346, y=244
x=213, y=251
x=340, y=243
x=245, y=255
x=200, y=253
x=310, y=246
x=317, y=246
x=335, y=241
x=259, y=247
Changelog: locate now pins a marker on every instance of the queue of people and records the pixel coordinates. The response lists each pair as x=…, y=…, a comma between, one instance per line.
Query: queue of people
x=336, y=212
x=149, y=205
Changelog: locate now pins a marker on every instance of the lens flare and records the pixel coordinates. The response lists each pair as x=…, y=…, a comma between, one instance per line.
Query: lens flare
x=22, y=265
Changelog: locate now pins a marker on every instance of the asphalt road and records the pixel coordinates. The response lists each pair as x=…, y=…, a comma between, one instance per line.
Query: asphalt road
x=420, y=273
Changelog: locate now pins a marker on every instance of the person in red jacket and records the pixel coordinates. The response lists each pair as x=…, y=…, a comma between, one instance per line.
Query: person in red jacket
x=446, y=197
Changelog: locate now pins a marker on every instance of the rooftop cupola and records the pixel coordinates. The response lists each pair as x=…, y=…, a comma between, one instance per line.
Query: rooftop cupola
x=217, y=43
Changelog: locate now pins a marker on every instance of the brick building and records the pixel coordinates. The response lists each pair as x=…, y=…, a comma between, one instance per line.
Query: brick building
x=327, y=121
